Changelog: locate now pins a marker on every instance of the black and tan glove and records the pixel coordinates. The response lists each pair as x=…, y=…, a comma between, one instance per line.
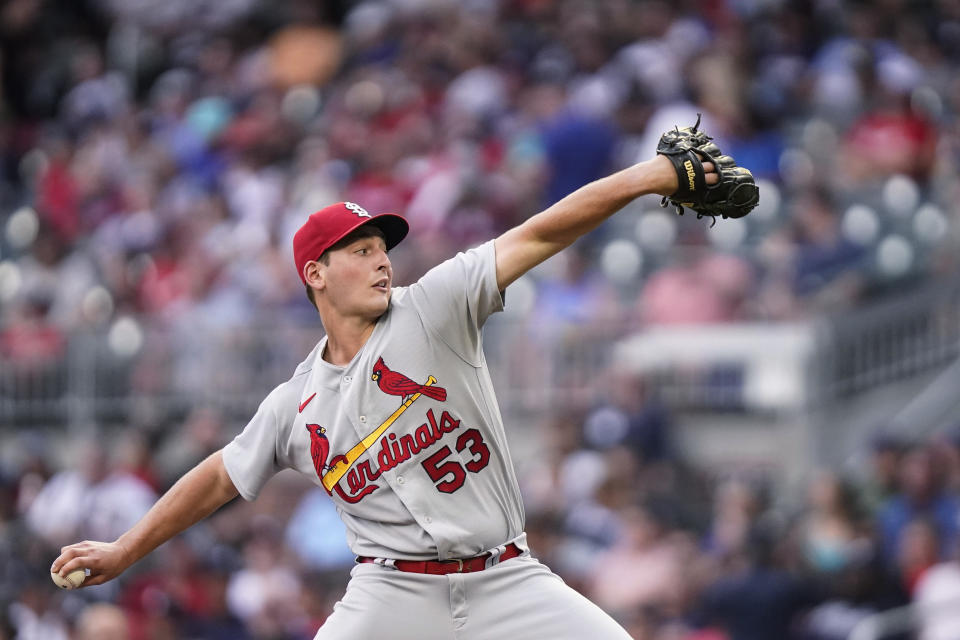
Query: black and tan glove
x=733, y=196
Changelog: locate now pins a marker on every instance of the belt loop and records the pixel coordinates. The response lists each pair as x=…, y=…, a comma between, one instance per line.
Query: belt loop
x=389, y=563
x=494, y=557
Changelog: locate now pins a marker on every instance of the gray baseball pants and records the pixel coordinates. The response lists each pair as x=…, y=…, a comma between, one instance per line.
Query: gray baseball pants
x=519, y=599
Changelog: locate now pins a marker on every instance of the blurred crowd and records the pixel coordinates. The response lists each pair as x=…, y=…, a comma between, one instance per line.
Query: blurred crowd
x=156, y=163
x=672, y=551
x=156, y=159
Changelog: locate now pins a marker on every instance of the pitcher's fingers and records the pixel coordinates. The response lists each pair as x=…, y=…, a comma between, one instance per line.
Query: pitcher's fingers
x=78, y=562
x=66, y=554
x=710, y=174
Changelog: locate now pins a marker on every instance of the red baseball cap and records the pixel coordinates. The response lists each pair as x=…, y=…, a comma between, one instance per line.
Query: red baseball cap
x=330, y=225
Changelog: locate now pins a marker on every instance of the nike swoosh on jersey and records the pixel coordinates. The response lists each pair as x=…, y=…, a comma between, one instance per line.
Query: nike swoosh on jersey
x=306, y=402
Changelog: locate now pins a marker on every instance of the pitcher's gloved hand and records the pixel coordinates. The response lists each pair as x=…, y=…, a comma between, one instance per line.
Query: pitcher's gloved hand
x=734, y=194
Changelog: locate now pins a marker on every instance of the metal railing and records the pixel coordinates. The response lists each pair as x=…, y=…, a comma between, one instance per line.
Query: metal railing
x=536, y=368
x=884, y=342
x=173, y=370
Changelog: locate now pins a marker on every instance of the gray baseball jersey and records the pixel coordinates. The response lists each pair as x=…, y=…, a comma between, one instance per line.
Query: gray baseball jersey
x=407, y=438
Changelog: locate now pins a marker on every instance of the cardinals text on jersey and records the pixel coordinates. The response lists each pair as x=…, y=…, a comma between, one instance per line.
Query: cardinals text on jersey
x=361, y=476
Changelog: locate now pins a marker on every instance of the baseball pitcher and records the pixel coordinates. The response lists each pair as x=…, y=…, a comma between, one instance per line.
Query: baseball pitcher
x=393, y=414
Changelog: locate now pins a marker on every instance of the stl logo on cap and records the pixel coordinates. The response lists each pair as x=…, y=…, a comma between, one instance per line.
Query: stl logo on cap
x=357, y=209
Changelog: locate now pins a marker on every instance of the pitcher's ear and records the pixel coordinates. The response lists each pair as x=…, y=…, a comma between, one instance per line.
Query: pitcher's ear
x=314, y=274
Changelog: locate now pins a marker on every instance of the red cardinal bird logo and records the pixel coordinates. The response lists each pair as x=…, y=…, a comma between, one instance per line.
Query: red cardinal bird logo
x=320, y=449
x=397, y=384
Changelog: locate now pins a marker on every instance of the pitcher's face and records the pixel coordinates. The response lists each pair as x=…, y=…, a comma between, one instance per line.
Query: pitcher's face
x=359, y=277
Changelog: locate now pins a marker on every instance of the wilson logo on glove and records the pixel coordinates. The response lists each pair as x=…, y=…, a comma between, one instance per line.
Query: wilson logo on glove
x=691, y=174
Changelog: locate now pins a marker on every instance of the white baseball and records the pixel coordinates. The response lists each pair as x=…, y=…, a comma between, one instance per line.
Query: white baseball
x=73, y=580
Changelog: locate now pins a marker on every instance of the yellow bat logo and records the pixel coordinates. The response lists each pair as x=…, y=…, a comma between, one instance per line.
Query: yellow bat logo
x=333, y=476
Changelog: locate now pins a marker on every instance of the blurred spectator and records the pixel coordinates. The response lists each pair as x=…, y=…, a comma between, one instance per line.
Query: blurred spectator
x=892, y=137
x=630, y=416
x=58, y=512
x=825, y=263
x=761, y=600
x=542, y=477
x=545, y=537
x=97, y=96
x=115, y=504
x=851, y=595
x=831, y=532
x=57, y=197
x=217, y=622
x=921, y=499
x=57, y=274
x=597, y=488
x=102, y=622
x=575, y=294
x=643, y=569
x=31, y=345
x=133, y=456
x=881, y=482
x=945, y=455
x=936, y=597
x=708, y=289
x=736, y=506
x=321, y=592
x=266, y=594
x=34, y=615
x=919, y=550
x=95, y=500
x=579, y=149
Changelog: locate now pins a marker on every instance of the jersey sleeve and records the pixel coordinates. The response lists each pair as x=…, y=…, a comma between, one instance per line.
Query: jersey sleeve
x=253, y=457
x=455, y=299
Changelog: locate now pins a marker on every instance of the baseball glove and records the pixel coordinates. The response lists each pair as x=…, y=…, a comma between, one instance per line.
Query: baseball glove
x=733, y=196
